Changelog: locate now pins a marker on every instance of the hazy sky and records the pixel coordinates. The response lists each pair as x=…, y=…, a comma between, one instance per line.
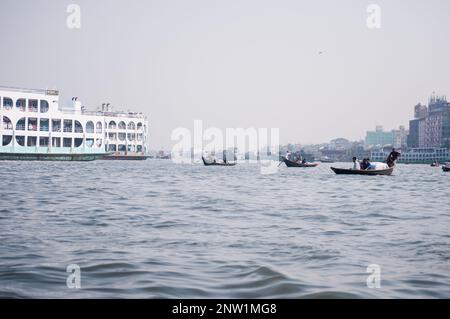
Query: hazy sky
x=235, y=63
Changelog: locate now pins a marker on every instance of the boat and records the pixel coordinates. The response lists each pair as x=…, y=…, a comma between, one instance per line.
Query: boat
x=326, y=159
x=435, y=164
x=207, y=163
x=372, y=172
x=36, y=127
x=446, y=168
x=295, y=164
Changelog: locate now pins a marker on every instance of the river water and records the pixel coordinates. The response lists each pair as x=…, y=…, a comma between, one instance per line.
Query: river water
x=155, y=229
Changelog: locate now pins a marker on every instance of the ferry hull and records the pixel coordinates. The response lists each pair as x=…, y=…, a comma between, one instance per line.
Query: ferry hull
x=124, y=157
x=50, y=157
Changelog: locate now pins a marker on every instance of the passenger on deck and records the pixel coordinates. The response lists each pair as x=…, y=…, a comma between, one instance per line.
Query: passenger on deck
x=356, y=165
x=303, y=161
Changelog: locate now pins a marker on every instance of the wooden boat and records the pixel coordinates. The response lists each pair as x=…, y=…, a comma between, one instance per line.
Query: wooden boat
x=446, y=168
x=294, y=164
x=217, y=163
x=372, y=172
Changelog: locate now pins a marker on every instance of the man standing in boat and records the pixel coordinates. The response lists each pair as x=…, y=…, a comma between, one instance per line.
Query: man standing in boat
x=393, y=156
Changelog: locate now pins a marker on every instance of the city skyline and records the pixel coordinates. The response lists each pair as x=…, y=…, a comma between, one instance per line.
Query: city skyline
x=313, y=70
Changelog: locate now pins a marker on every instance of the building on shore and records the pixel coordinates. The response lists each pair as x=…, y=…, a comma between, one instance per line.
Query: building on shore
x=379, y=138
x=430, y=127
x=35, y=127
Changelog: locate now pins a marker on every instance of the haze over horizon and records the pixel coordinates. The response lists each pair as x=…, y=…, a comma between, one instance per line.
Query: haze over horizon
x=235, y=64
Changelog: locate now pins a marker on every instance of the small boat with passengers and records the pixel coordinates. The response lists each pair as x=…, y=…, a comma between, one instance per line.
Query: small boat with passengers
x=215, y=163
x=298, y=164
x=370, y=172
x=374, y=169
x=446, y=168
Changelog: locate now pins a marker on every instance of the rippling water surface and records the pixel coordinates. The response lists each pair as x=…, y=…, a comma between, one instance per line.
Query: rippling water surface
x=155, y=229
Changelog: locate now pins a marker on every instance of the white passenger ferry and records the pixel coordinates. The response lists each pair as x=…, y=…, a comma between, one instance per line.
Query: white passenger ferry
x=35, y=127
x=416, y=155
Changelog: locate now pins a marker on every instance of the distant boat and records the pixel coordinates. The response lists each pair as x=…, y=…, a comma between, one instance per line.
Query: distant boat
x=326, y=160
x=295, y=164
x=370, y=172
x=435, y=164
x=446, y=168
x=214, y=163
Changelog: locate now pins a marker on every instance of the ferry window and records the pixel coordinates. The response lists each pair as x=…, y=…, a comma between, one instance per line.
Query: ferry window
x=78, y=127
x=89, y=142
x=78, y=142
x=20, y=105
x=122, y=148
x=43, y=141
x=89, y=127
x=131, y=137
x=7, y=124
x=139, y=148
x=56, y=125
x=32, y=124
x=99, y=127
x=32, y=105
x=44, y=106
x=112, y=125
x=20, y=126
x=7, y=103
x=122, y=125
x=122, y=136
x=56, y=142
x=67, y=142
x=43, y=125
x=20, y=140
x=31, y=141
x=139, y=126
x=112, y=136
x=7, y=140
x=112, y=148
x=131, y=126
x=67, y=126
x=98, y=142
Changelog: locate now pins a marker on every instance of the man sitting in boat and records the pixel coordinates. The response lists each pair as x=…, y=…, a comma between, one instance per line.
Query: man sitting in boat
x=365, y=164
x=356, y=165
x=288, y=155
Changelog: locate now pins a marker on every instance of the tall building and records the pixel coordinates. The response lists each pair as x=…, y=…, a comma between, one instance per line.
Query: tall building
x=400, y=137
x=431, y=125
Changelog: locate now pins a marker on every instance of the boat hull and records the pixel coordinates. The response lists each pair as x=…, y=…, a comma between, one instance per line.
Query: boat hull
x=343, y=171
x=206, y=163
x=124, y=158
x=50, y=157
x=294, y=164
